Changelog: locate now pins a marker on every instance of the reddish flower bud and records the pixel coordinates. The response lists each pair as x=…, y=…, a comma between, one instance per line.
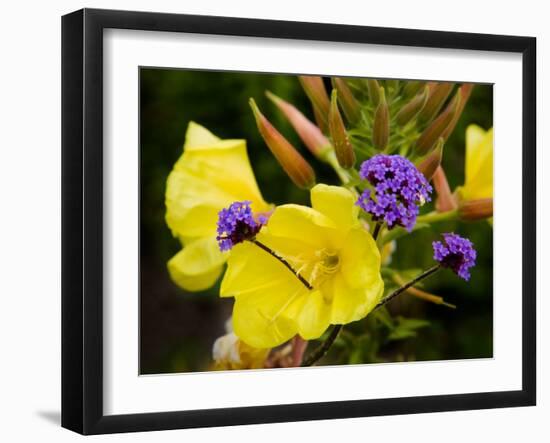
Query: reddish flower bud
x=465, y=91
x=322, y=124
x=412, y=88
x=315, y=90
x=431, y=134
x=439, y=92
x=297, y=168
x=445, y=199
x=374, y=91
x=409, y=111
x=349, y=103
x=308, y=132
x=381, y=125
x=432, y=161
x=472, y=210
x=342, y=145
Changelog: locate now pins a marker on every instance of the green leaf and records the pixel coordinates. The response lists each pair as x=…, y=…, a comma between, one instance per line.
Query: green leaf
x=401, y=334
x=384, y=317
x=406, y=328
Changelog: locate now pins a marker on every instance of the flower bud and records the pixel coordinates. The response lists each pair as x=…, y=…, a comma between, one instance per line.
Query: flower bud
x=472, y=210
x=308, y=132
x=322, y=123
x=392, y=87
x=465, y=91
x=381, y=125
x=342, y=145
x=431, y=134
x=430, y=163
x=445, y=199
x=315, y=90
x=412, y=88
x=409, y=111
x=374, y=91
x=349, y=103
x=439, y=92
x=297, y=168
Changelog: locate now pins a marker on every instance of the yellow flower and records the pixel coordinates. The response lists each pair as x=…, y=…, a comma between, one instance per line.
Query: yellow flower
x=210, y=174
x=328, y=247
x=229, y=352
x=478, y=183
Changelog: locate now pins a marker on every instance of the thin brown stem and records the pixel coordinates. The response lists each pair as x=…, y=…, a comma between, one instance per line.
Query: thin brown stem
x=403, y=288
x=376, y=231
x=321, y=351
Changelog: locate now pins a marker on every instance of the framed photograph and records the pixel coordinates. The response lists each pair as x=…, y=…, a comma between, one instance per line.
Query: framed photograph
x=269, y=221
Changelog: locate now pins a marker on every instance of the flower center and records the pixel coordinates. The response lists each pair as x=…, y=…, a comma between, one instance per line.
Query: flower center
x=330, y=261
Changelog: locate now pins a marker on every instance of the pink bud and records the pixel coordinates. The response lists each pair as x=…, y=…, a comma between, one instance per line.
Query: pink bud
x=445, y=199
x=297, y=168
x=308, y=132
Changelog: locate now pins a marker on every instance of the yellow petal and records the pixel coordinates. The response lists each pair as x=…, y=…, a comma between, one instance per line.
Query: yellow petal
x=255, y=326
x=360, y=259
x=337, y=203
x=303, y=224
x=198, y=135
x=263, y=289
x=210, y=175
x=313, y=315
x=351, y=304
x=197, y=266
x=479, y=164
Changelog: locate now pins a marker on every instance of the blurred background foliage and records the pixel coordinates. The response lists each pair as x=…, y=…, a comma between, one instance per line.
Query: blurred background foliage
x=177, y=329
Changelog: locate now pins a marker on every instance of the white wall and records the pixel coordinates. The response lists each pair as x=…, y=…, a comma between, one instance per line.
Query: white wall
x=30, y=218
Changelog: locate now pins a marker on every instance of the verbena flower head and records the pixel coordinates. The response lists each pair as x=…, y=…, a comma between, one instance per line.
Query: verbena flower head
x=399, y=188
x=456, y=253
x=236, y=224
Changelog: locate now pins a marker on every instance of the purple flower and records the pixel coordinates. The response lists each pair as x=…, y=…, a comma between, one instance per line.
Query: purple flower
x=236, y=224
x=399, y=188
x=456, y=253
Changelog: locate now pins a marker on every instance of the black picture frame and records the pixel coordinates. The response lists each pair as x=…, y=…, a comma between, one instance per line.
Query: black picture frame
x=82, y=220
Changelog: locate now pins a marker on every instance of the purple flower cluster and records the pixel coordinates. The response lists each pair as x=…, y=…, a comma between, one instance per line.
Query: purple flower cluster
x=456, y=253
x=399, y=188
x=236, y=224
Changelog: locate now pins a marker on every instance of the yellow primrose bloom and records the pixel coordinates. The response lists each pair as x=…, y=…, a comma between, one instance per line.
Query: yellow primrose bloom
x=210, y=174
x=478, y=183
x=327, y=246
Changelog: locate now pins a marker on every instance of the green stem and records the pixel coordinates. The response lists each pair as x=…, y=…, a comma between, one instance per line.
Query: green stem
x=434, y=216
x=283, y=261
x=406, y=286
x=321, y=351
x=344, y=176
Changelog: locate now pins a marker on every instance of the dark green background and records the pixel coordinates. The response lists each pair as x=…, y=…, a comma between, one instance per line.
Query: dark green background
x=177, y=329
